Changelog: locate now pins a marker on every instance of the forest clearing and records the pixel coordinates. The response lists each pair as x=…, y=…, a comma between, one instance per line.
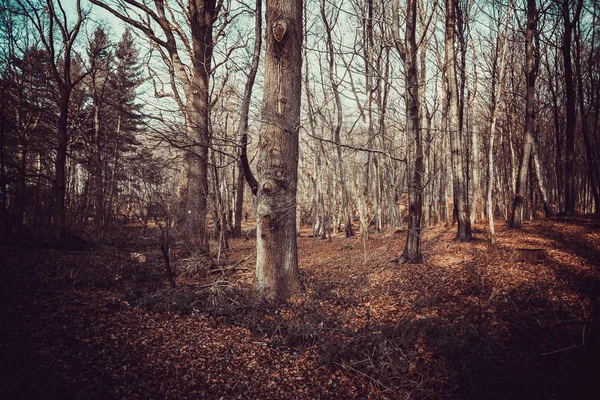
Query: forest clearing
x=471, y=321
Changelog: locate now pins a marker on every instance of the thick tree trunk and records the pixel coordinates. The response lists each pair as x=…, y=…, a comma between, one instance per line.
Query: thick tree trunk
x=459, y=189
x=197, y=176
x=276, y=249
x=202, y=14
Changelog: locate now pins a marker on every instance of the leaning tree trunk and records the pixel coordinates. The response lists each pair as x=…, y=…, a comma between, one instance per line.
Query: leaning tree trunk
x=276, y=249
x=531, y=75
x=244, y=168
x=459, y=188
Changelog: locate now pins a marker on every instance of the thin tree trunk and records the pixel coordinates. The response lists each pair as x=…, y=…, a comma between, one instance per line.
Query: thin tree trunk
x=244, y=168
x=496, y=97
x=97, y=172
x=571, y=112
x=60, y=167
x=459, y=189
x=408, y=53
x=592, y=162
x=531, y=75
x=338, y=123
x=540, y=181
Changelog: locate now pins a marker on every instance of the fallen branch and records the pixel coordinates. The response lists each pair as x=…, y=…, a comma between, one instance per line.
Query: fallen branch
x=235, y=267
x=561, y=350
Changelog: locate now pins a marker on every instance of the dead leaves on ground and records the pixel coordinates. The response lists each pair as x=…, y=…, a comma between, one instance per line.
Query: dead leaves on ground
x=468, y=322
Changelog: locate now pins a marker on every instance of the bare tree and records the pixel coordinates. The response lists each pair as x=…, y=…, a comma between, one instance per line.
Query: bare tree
x=244, y=170
x=453, y=118
x=408, y=54
x=571, y=111
x=58, y=37
x=497, y=85
x=276, y=250
x=531, y=67
x=197, y=44
x=335, y=85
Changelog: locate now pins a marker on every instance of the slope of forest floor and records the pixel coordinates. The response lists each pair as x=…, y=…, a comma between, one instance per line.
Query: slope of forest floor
x=471, y=321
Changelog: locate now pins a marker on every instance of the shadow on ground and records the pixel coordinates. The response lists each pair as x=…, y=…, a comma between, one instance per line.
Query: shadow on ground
x=83, y=325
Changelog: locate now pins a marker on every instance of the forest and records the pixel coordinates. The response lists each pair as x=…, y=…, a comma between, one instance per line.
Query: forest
x=314, y=199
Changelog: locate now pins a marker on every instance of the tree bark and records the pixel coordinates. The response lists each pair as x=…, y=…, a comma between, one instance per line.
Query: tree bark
x=571, y=112
x=531, y=75
x=497, y=86
x=277, y=275
x=202, y=14
x=540, y=181
x=459, y=189
x=408, y=53
x=592, y=161
x=244, y=170
x=338, y=123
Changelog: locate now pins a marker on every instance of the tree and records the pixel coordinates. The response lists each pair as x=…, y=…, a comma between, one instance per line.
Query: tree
x=408, y=54
x=571, y=111
x=100, y=70
x=194, y=102
x=276, y=250
x=453, y=120
x=338, y=122
x=51, y=23
x=244, y=170
x=531, y=67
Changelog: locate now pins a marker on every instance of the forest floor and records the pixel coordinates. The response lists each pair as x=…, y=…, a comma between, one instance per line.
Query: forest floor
x=471, y=321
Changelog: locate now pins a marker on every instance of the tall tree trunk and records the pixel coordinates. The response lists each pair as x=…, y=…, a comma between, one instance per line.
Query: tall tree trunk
x=97, y=172
x=244, y=168
x=338, y=123
x=459, y=188
x=558, y=159
x=540, y=181
x=497, y=87
x=531, y=75
x=426, y=119
x=592, y=161
x=571, y=112
x=202, y=15
x=276, y=249
x=408, y=53
x=60, y=167
x=475, y=187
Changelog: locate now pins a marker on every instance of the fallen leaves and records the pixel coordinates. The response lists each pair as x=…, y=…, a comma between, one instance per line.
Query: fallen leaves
x=469, y=322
